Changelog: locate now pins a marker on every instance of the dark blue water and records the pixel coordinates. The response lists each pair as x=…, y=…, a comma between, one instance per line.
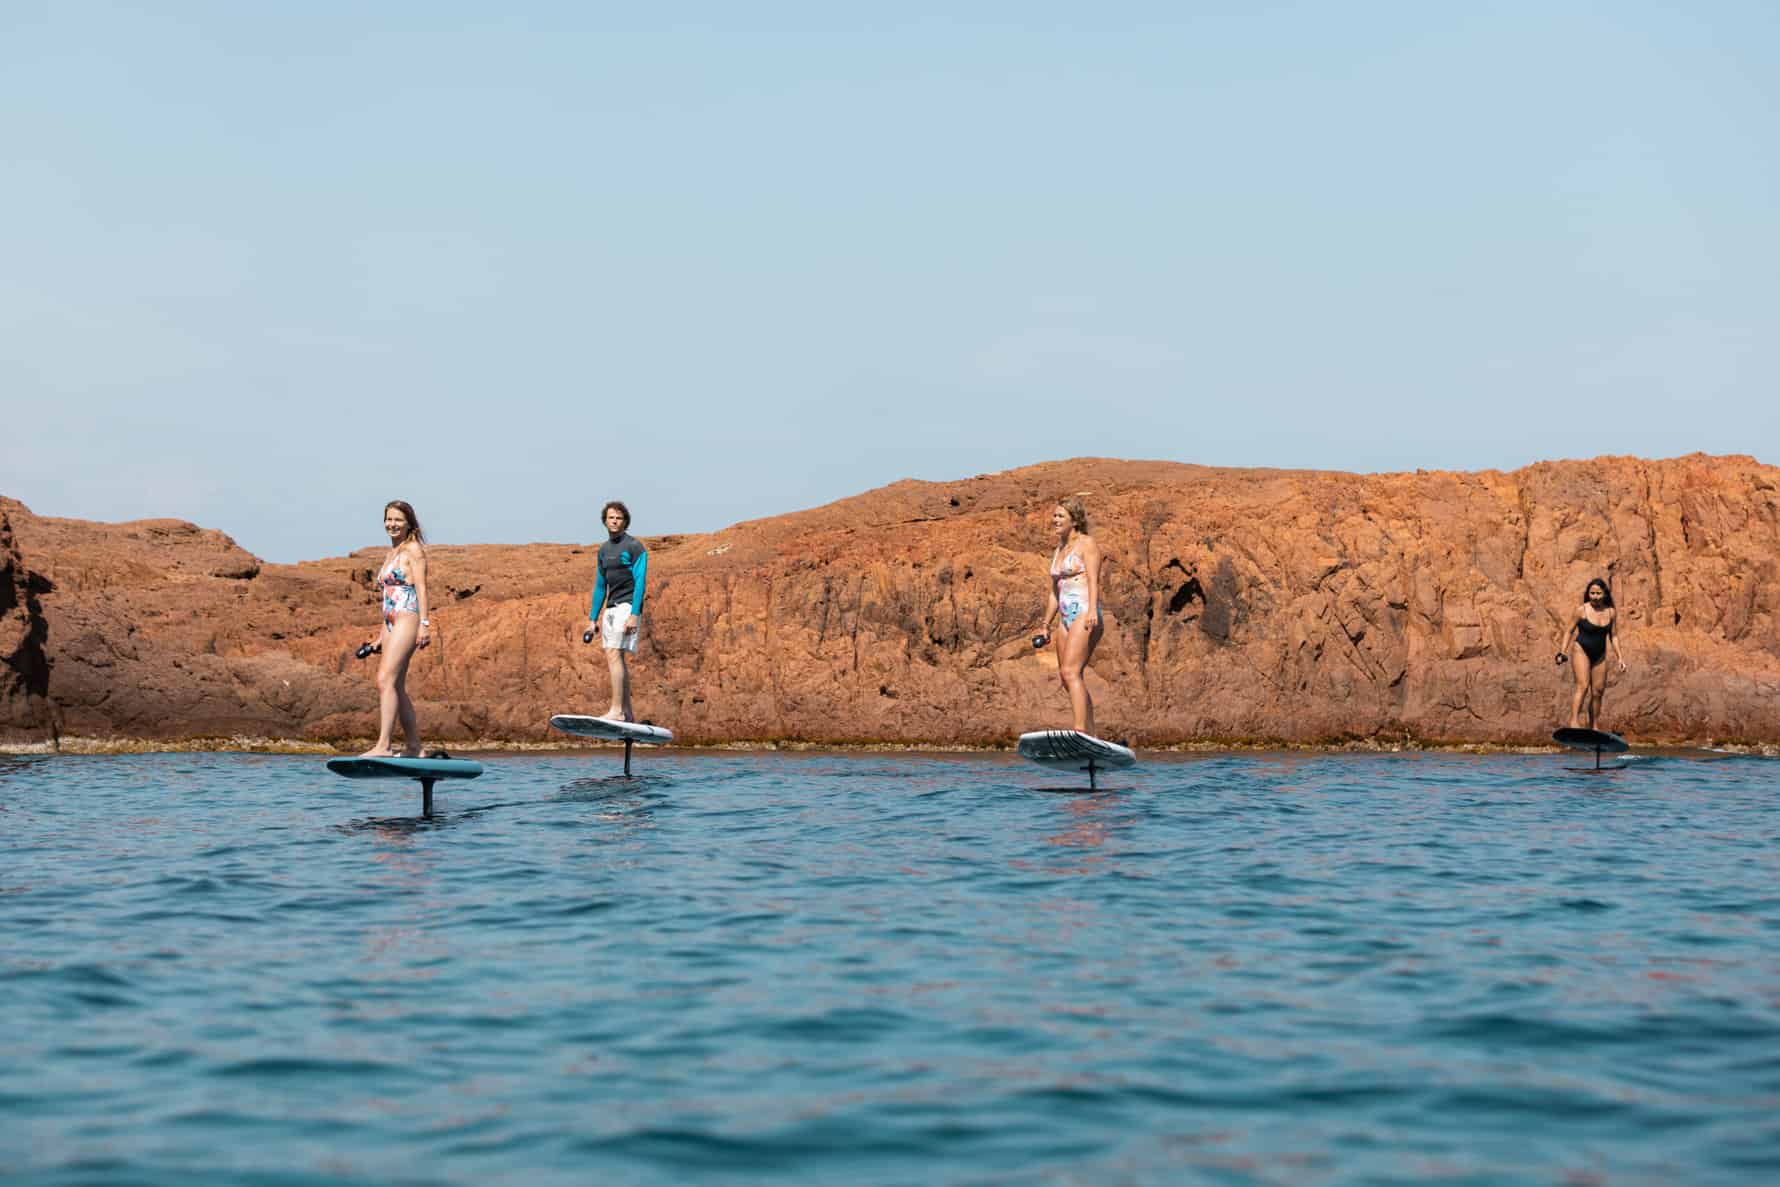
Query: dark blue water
x=868, y=969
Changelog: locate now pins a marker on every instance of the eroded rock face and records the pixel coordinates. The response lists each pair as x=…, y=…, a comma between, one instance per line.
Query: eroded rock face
x=26, y=713
x=1241, y=605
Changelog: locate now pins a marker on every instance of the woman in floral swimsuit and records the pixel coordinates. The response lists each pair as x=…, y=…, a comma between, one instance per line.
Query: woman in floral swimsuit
x=405, y=628
x=1075, y=596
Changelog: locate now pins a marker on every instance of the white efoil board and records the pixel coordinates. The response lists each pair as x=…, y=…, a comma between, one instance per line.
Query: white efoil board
x=1072, y=750
x=611, y=731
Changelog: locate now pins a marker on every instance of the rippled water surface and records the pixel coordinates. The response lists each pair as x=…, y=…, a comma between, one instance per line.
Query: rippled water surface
x=837, y=969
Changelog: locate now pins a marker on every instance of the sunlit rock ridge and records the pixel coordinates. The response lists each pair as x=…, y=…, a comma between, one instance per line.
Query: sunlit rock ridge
x=1243, y=606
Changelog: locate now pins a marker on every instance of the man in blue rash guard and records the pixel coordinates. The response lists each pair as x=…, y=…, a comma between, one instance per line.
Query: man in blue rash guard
x=618, y=603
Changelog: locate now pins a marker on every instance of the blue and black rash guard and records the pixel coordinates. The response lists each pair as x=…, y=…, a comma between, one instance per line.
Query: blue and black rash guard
x=623, y=563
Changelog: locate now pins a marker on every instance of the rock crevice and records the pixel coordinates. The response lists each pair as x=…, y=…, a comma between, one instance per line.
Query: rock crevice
x=27, y=713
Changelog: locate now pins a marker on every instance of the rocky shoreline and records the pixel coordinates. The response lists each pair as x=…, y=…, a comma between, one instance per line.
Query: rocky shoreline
x=488, y=746
x=1264, y=608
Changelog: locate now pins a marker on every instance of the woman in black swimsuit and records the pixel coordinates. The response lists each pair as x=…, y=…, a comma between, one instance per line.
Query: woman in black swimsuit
x=1585, y=649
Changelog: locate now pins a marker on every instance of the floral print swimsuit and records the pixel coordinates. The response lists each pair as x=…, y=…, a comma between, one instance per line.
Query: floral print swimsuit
x=1072, y=587
x=399, y=596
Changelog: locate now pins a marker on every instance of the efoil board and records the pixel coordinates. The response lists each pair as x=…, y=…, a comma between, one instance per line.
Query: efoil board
x=609, y=730
x=405, y=768
x=1072, y=750
x=1591, y=740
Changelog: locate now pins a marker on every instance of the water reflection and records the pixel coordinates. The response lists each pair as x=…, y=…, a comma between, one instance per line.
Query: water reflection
x=625, y=804
x=1091, y=821
x=18, y=765
x=605, y=787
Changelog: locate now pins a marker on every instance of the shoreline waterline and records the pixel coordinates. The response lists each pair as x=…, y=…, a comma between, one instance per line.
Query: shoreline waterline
x=259, y=744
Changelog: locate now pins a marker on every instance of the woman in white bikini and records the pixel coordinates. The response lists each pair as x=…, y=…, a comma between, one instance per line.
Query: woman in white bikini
x=405, y=628
x=1075, y=596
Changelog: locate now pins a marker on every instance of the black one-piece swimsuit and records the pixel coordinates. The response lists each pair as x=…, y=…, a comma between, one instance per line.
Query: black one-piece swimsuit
x=1593, y=639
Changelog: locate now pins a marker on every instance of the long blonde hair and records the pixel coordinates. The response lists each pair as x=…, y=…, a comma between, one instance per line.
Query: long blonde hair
x=1078, y=514
x=407, y=510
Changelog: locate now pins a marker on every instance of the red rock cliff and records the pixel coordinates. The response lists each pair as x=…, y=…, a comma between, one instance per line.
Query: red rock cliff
x=1240, y=604
x=26, y=713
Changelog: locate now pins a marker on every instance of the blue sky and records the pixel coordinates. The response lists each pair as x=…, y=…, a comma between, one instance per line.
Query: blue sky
x=268, y=266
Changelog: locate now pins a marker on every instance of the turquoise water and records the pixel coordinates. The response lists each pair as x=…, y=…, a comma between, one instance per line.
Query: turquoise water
x=865, y=969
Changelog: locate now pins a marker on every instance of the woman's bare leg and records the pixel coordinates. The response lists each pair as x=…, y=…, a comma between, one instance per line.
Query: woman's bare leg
x=1075, y=648
x=1580, y=666
x=392, y=693
x=1597, y=688
x=405, y=713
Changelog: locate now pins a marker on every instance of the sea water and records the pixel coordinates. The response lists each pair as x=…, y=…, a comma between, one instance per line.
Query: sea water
x=859, y=968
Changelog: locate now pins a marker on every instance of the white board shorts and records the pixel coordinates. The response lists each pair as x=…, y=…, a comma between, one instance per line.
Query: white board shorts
x=613, y=636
